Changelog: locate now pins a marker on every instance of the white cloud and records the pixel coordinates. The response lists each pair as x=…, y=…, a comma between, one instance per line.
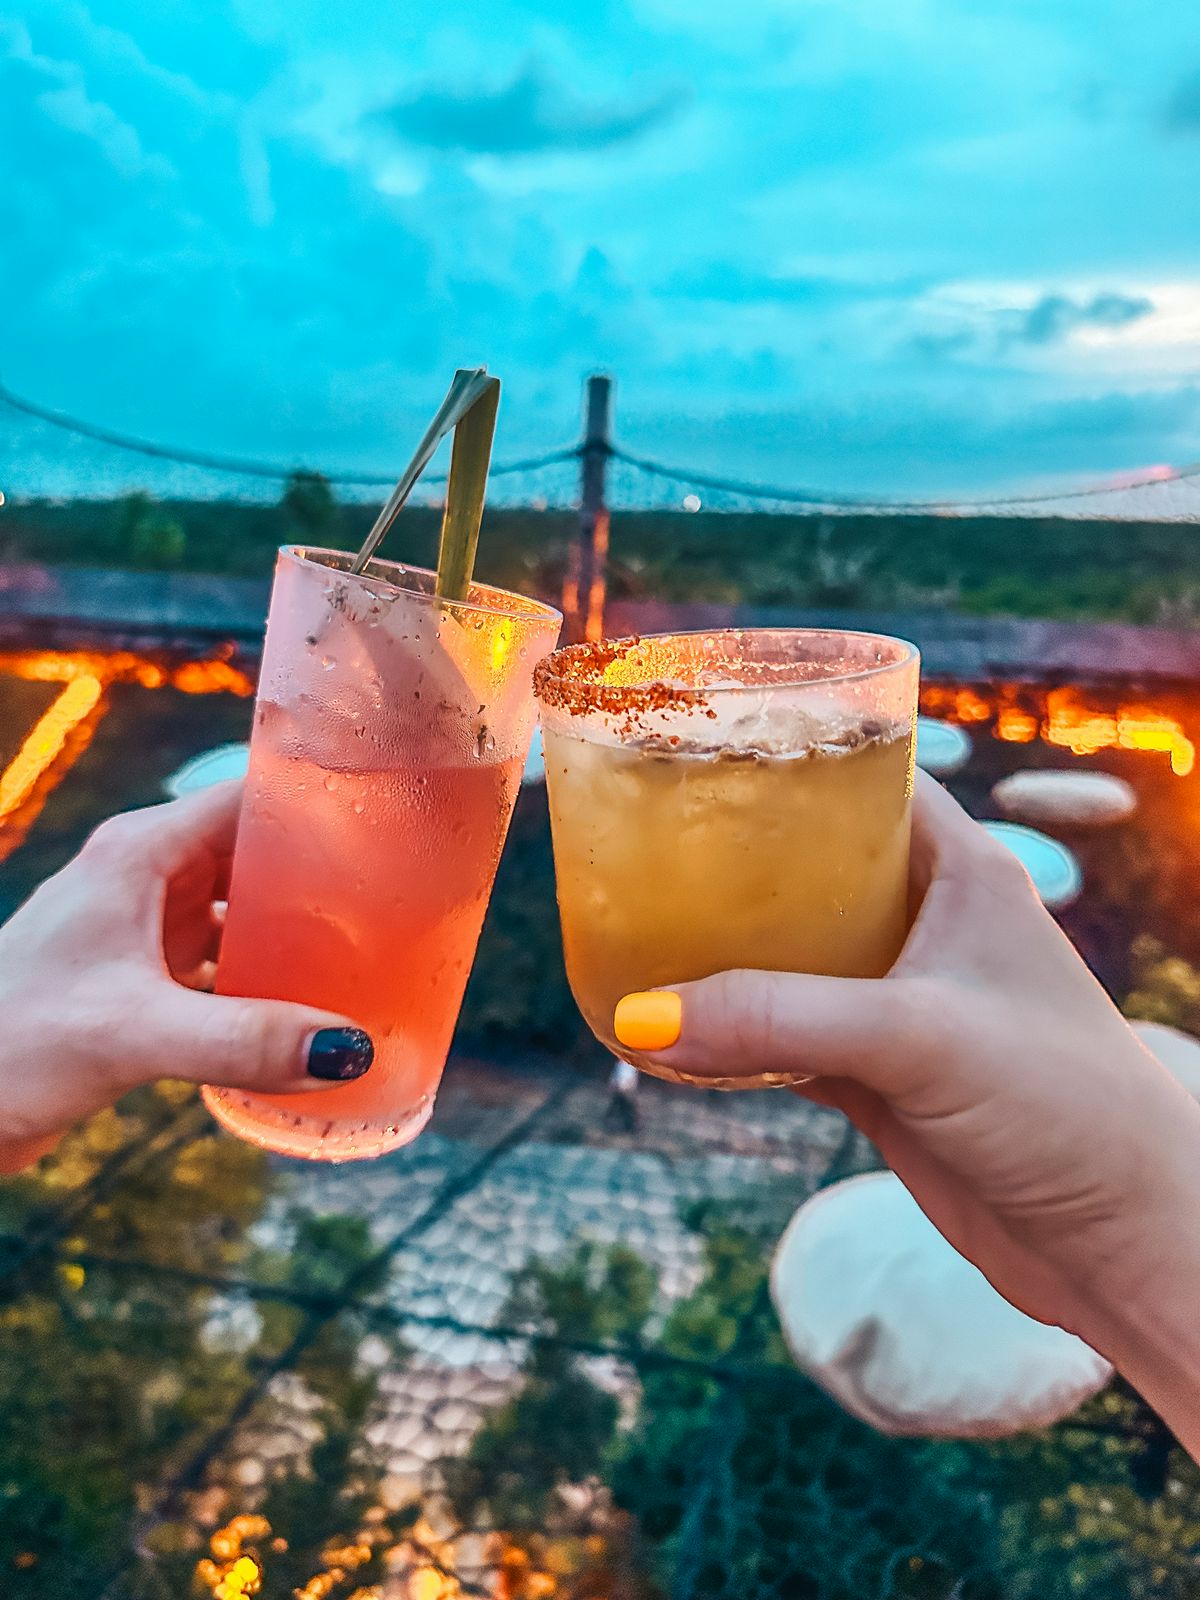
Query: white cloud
x=212, y=236
x=71, y=108
x=1145, y=333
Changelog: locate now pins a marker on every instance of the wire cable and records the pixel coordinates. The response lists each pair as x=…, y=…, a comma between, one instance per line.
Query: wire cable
x=243, y=466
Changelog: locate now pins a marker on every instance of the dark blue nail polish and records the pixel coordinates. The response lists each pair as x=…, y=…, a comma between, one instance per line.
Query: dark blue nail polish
x=340, y=1054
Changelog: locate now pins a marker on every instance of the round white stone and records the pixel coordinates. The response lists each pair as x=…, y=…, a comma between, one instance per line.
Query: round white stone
x=1177, y=1051
x=1056, y=873
x=905, y=1333
x=942, y=747
x=214, y=766
x=1066, y=799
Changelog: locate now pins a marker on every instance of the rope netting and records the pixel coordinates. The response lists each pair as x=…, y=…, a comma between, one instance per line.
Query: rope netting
x=533, y=1359
x=533, y=1356
x=549, y=479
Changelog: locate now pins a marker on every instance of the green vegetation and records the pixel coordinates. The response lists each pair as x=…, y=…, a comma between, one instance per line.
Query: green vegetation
x=1034, y=567
x=1166, y=987
x=741, y=1478
x=109, y=1374
x=311, y=512
x=153, y=538
x=700, y=1465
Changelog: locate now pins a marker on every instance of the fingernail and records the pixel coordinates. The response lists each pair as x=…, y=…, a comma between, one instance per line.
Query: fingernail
x=648, y=1021
x=339, y=1054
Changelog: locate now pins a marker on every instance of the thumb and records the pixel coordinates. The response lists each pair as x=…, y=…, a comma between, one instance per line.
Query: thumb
x=269, y=1045
x=744, y=1024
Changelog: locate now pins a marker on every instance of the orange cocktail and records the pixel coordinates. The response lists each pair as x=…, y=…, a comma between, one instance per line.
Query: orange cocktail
x=389, y=738
x=728, y=800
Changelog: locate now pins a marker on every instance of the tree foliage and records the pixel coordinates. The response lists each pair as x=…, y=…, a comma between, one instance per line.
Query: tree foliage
x=111, y=1374
x=310, y=509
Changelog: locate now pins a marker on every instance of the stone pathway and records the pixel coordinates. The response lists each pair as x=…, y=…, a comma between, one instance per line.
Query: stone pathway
x=443, y=1357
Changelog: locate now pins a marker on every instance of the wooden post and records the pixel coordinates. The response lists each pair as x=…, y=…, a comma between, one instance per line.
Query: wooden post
x=587, y=579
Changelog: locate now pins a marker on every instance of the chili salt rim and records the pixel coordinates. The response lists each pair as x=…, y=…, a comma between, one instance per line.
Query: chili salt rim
x=577, y=692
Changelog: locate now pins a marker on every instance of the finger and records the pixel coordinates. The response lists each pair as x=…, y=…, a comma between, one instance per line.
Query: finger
x=191, y=927
x=747, y=1023
x=202, y=976
x=940, y=825
x=171, y=839
x=268, y=1045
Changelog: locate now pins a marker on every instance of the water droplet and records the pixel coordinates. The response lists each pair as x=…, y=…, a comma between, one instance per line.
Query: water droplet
x=330, y=782
x=328, y=663
x=360, y=805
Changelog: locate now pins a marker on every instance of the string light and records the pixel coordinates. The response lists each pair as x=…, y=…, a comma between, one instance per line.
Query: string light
x=64, y=731
x=1070, y=722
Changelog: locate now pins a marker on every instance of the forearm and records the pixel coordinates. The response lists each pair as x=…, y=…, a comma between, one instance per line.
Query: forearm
x=1160, y=1357
x=1143, y=1310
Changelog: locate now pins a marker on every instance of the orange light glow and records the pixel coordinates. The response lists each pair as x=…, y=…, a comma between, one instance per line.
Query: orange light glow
x=46, y=741
x=1016, y=726
x=1142, y=730
x=243, y=1578
x=1071, y=720
x=214, y=675
x=233, y=1575
x=63, y=732
x=593, y=628
x=955, y=704
x=423, y=1564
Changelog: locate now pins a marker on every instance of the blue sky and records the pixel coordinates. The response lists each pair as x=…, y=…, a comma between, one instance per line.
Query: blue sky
x=913, y=246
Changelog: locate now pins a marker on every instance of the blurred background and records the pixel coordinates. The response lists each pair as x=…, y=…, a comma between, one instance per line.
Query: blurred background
x=879, y=311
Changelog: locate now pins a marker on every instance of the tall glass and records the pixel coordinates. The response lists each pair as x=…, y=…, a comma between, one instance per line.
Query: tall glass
x=723, y=800
x=390, y=732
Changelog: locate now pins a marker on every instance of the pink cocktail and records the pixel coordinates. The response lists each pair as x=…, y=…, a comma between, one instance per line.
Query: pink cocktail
x=390, y=734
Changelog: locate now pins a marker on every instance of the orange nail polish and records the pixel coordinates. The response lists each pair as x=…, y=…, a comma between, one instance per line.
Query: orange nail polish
x=648, y=1021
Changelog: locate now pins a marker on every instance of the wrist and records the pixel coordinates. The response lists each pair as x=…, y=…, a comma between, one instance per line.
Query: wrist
x=1140, y=1303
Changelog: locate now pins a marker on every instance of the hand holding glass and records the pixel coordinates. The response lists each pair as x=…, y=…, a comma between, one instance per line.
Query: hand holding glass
x=390, y=733
x=725, y=800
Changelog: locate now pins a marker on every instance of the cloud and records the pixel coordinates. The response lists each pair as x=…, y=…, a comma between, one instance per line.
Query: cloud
x=859, y=247
x=994, y=322
x=1055, y=316
x=1183, y=107
x=731, y=284
x=942, y=346
x=530, y=114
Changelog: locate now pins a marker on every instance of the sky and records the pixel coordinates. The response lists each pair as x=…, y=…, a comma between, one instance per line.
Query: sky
x=875, y=246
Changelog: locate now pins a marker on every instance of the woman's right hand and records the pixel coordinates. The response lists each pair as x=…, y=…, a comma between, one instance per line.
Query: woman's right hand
x=1005, y=1089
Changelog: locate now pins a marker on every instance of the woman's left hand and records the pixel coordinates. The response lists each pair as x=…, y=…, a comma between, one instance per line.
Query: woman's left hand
x=102, y=980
